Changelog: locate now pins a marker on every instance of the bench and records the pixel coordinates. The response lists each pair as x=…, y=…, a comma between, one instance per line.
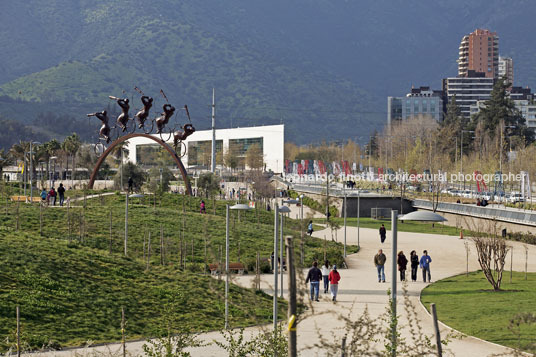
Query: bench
x=238, y=267
x=25, y=199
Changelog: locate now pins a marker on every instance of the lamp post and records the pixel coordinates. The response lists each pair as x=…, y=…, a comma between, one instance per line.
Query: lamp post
x=358, y=215
x=422, y=216
x=51, y=177
x=282, y=210
x=344, y=222
x=276, y=226
x=239, y=207
x=461, y=154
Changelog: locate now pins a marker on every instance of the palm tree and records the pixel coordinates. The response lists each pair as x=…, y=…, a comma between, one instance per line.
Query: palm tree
x=18, y=153
x=118, y=151
x=47, y=150
x=71, y=145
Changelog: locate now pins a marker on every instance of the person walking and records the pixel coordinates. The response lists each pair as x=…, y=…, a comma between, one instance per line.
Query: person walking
x=379, y=262
x=325, y=274
x=61, y=192
x=43, y=195
x=202, y=207
x=383, y=233
x=52, y=194
x=334, y=278
x=310, y=228
x=414, y=258
x=425, y=266
x=314, y=276
x=402, y=265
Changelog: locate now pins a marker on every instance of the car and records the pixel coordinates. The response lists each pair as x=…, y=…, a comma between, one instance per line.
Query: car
x=467, y=194
x=516, y=197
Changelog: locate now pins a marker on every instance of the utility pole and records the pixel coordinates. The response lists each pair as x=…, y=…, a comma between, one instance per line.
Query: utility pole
x=213, y=156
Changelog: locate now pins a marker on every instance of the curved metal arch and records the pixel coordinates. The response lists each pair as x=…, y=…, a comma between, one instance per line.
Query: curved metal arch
x=169, y=149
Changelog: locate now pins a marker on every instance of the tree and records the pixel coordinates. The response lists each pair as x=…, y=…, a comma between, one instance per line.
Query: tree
x=71, y=145
x=135, y=172
x=254, y=157
x=231, y=158
x=492, y=251
x=167, y=176
x=450, y=128
x=5, y=160
x=209, y=184
x=500, y=107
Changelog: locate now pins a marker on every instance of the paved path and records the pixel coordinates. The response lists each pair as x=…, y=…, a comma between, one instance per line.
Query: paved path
x=359, y=289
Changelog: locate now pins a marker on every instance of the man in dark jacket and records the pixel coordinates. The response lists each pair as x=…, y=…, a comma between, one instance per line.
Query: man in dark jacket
x=383, y=232
x=379, y=262
x=315, y=277
x=61, y=192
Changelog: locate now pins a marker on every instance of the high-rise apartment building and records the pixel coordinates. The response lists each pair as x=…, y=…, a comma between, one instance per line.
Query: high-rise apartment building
x=506, y=69
x=468, y=90
x=479, y=52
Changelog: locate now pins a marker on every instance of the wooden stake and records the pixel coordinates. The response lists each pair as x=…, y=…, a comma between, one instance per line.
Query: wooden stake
x=18, y=224
x=511, y=263
x=258, y=272
x=18, y=330
x=292, y=304
x=161, y=245
x=123, y=342
x=40, y=219
x=149, y=251
x=111, y=232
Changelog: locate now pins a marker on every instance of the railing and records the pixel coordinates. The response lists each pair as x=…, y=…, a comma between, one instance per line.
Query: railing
x=526, y=218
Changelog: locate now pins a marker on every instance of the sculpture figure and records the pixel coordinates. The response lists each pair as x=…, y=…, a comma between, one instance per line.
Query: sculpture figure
x=123, y=118
x=188, y=130
x=104, y=131
x=163, y=119
x=144, y=113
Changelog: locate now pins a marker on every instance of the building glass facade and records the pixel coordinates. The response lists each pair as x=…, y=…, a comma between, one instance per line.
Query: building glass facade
x=200, y=153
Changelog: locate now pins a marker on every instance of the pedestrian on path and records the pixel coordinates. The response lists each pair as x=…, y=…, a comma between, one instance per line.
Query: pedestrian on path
x=334, y=278
x=61, y=192
x=402, y=265
x=202, y=207
x=314, y=276
x=52, y=194
x=379, y=262
x=44, y=195
x=325, y=274
x=310, y=228
x=383, y=232
x=425, y=266
x=414, y=265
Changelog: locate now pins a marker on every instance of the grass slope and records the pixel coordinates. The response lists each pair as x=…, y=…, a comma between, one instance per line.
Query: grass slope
x=467, y=304
x=70, y=294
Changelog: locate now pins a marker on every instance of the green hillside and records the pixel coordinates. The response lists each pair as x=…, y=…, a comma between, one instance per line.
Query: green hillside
x=119, y=45
x=71, y=288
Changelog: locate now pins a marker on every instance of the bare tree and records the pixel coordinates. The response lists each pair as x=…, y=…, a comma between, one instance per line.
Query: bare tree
x=491, y=251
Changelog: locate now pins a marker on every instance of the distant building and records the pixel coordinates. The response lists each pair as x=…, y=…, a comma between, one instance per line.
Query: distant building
x=520, y=93
x=479, y=51
x=468, y=90
x=526, y=107
x=506, y=69
x=270, y=139
x=419, y=102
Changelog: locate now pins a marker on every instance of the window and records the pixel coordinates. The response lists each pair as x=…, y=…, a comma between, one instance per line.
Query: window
x=416, y=106
x=200, y=152
x=424, y=106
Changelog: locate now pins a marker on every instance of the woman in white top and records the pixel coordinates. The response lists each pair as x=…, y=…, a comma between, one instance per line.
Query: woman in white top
x=325, y=273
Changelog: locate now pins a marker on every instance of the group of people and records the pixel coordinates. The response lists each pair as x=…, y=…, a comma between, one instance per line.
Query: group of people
x=330, y=277
x=50, y=196
x=402, y=262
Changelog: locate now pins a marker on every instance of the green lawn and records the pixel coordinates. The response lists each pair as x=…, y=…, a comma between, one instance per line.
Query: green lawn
x=414, y=227
x=71, y=288
x=469, y=305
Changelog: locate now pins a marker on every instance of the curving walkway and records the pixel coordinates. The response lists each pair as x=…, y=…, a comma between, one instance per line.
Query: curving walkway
x=359, y=288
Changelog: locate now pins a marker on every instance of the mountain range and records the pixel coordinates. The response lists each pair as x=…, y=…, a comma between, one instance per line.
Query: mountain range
x=324, y=68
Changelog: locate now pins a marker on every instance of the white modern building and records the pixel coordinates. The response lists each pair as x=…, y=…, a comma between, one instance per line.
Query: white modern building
x=270, y=139
x=506, y=69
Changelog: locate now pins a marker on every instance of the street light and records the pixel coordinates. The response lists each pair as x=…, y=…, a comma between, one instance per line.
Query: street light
x=282, y=210
x=51, y=178
x=300, y=202
x=238, y=207
x=423, y=216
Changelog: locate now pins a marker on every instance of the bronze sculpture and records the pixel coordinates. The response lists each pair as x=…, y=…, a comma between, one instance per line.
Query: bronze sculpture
x=178, y=136
x=104, y=131
x=122, y=119
x=163, y=119
x=144, y=113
